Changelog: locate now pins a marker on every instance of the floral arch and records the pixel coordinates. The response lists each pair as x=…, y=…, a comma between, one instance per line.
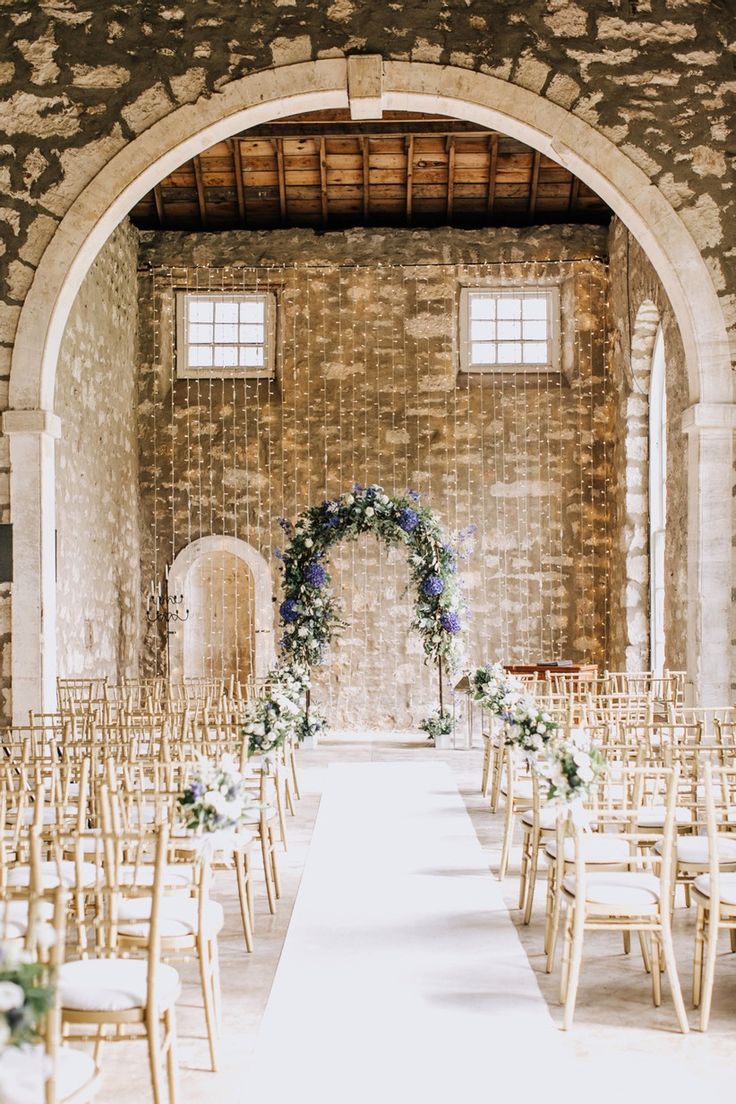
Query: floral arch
x=309, y=614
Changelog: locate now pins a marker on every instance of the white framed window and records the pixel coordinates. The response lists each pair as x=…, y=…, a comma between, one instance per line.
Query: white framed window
x=225, y=335
x=509, y=329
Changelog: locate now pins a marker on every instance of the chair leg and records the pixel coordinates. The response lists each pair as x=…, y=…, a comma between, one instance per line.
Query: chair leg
x=288, y=795
x=655, y=972
x=627, y=941
x=645, y=956
x=485, y=776
x=267, y=869
x=99, y=1042
x=241, y=876
x=698, y=956
x=709, y=967
x=497, y=777
x=274, y=864
x=532, y=878
x=732, y=937
x=172, y=1064
x=508, y=831
x=525, y=852
x=205, y=978
x=566, y=947
x=280, y=811
x=294, y=774
x=153, y=1038
x=554, y=924
x=668, y=949
x=576, y=956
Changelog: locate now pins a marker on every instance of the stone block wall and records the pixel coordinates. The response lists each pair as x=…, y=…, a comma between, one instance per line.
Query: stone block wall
x=98, y=554
x=368, y=390
x=638, y=305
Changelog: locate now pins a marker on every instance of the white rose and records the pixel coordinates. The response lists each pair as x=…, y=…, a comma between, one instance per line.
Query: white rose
x=350, y=499
x=215, y=801
x=383, y=499
x=303, y=631
x=308, y=542
x=11, y=996
x=369, y=511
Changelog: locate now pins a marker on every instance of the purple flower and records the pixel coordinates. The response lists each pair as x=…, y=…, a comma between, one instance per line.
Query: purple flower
x=432, y=586
x=197, y=790
x=315, y=574
x=285, y=524
x=450, y=622
x=288, y=610
x=331, y=521
x=414, y=495
x=408, y=519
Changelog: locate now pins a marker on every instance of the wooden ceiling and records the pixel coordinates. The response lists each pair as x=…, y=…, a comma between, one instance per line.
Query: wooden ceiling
x=326, y=171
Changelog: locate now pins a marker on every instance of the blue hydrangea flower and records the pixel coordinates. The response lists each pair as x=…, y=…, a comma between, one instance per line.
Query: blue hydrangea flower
x=197, y=790
x=432, y=586
x=450, y=622
x=315, y=574
x=331, y=521
x=408, y=519
x=288, y=611
x=414, y=495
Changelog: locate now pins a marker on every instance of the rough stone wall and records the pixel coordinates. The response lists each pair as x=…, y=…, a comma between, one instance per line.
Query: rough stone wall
x=633, y=284
x=368, y=390
x=98, y=554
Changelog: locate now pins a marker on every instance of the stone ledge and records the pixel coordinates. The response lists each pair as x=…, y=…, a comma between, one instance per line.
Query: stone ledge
x=709, y=416
x=32, y=421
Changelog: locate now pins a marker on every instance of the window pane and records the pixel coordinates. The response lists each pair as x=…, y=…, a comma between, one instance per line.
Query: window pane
x=509, y=331
x=482, y=330
x=225, y=333
x=483, y=353
x=252, y=335
x=226, y=356
x=200, y=333
x=200, y=356
x=535, y=308
x=534, y=331
x=252, y=310
x=226, y=312
x=536, y=352
x=509, y=308
x=509, y=352
x=252, y=356
x=482, y=306
x=201, y=310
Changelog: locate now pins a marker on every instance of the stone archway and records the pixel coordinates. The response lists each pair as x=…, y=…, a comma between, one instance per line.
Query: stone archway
x=368, y=85
x=180, y=582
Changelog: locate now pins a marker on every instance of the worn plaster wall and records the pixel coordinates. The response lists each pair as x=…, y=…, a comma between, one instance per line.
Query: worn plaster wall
x=637, y=296
x=98, y=554
x=368, y=390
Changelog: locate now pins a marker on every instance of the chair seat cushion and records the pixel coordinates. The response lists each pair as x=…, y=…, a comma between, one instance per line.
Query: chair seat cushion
x=175, y=875
x=626, y=890
x=179, y=917
x=597, y=847
x=53, y=873
x=652, y=816
x=726, y=886
x=522, y=788
x=548, y=815
x=14, y=918
x=694, y=849
x=23, y=1074
x=113, y=985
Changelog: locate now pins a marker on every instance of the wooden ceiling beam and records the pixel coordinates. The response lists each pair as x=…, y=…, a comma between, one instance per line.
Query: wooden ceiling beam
x=366, y=153
x=375, y=128
x=534, y=185
x=450, y=175
x=492, y=172
x=574, y=192
x=159, y=201
x=278, y=146
x=239, y=178
x=323, y=180
x=409, y=177
x=201, y=198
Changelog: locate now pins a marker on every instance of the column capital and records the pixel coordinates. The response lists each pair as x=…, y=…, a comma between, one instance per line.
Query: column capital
x=31, y=422
x=716, y=416
x=365, y=86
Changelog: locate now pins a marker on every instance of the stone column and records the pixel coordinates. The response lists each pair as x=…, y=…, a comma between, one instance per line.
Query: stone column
x=32, y=436
x=709, y=427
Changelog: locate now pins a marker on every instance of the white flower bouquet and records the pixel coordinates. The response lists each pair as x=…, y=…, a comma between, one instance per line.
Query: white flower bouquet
x=25, y=996
x=216, y=799
x=571, y=765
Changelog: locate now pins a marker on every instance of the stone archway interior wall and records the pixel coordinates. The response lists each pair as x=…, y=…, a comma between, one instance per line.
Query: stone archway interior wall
x=637, y=295
x=219, y=637
x=97, y=499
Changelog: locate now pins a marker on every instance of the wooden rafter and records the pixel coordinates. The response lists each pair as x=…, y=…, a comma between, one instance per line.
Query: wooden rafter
x=323, y=179
x=574, y=192
x=450, y=175
x=278, y=146
x=158, y=199
x=534, y=184
x=238, y=174
x=409, y=176
x=376, y=128
x=366, y=152
x=492, y=171
x=201, y=199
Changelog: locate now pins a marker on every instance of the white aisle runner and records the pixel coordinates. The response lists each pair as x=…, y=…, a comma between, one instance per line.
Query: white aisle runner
x=402, y=977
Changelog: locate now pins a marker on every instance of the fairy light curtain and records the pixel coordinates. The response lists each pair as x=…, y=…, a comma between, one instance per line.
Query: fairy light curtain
x=367, y=389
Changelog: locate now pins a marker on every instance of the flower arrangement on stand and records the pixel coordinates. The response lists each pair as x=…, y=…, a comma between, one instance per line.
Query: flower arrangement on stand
x=569, y=763
x=25, y=997
x=216, y=798
x=309, y=612
x=279, y=711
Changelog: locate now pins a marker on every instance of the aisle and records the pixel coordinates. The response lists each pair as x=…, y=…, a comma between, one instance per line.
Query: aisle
x=402, y=977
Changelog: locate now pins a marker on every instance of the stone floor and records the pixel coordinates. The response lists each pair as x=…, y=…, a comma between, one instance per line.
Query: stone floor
x=618, y=1033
